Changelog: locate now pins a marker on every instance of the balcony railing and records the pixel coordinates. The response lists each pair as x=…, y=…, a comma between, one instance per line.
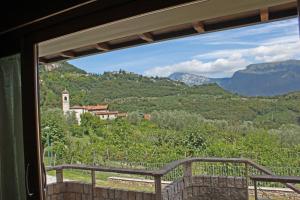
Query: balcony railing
x=250, y=172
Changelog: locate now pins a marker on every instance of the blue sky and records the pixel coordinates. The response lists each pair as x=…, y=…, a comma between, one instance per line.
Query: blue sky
x=217, y=54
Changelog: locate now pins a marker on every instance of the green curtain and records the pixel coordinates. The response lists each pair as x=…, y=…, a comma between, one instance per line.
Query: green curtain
x=12, y=170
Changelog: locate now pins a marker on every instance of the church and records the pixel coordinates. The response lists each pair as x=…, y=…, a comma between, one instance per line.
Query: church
x=100, y=110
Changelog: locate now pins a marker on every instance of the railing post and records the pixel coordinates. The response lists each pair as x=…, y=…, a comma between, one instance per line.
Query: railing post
x=158, y=190
x=59, y=176
x=93, y=178
x=187, y=170
x=247, y=172
x=93, y=182
x=255, y=190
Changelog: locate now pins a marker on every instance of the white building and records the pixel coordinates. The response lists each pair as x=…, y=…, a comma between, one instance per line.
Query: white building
x=100, y=110
x=65, y=101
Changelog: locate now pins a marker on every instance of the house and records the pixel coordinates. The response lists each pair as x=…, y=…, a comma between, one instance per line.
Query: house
x=100, y=110
x=147, y=117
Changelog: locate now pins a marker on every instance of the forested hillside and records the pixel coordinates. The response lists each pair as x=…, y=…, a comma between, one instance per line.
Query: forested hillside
x=130, y=92
x=185, y=120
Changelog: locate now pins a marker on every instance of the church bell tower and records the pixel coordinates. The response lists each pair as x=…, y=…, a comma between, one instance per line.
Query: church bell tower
x=65, y=101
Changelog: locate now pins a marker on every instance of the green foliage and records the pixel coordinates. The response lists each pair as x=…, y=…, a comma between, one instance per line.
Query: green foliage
x=177, y=120
x=91, y=124
x=146, y=141
x=289, y=135
x=54, y=127
x=135, y=117
x=194, y=142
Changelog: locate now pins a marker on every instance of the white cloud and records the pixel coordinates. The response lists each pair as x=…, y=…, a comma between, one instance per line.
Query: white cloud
x=276, y=52
x=225, y=62
x=216, y=68
x=284, y=48
x=290, y=38
x=279, y=27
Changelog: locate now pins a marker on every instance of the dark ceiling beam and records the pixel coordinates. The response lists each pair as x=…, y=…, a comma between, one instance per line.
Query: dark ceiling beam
x=148, y=37
x=42, y=61
x=264, y=14
x=199, y=27
x=100, y=15
x=67, y=54
x=103, y=46
x=52, y=10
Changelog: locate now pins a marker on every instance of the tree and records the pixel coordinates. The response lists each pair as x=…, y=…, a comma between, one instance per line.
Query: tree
x=71, y=119
x=135, y=117
x=53, y=127
x=92, y=124
x=194, y=141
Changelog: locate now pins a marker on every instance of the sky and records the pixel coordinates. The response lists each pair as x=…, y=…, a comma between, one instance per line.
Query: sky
x=214, y=55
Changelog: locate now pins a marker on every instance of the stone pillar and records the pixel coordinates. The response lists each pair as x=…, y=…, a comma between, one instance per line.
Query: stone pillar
x=187, y=170
x=59, y=176
x=187, y=174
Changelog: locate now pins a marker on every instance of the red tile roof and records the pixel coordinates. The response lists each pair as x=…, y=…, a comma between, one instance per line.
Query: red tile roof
x=92, y=108
x=147, y=116
x=107, y=113
x=97, y=107
x=76, y=107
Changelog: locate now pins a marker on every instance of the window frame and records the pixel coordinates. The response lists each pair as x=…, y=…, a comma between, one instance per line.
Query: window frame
x=30, y=80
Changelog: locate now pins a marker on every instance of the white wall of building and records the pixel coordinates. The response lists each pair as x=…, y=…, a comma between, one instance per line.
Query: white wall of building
x=78, y=112
x=65, y=102
x=108, y=116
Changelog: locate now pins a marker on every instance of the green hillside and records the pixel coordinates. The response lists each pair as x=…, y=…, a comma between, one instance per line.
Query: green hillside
x=130, y=92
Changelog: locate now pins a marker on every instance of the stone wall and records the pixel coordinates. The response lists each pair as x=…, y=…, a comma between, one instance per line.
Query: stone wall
x=207, y=188
x=136, y=181
x=275, y=193
x=174, y=191
x=193, y=188
x=81, y=191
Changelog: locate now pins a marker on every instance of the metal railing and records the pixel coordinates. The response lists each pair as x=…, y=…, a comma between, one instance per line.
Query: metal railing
x=278, y=179
x=159, y=173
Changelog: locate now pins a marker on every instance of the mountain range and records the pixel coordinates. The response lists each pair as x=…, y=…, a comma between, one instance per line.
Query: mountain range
x=264, y=79
x=191, y=79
